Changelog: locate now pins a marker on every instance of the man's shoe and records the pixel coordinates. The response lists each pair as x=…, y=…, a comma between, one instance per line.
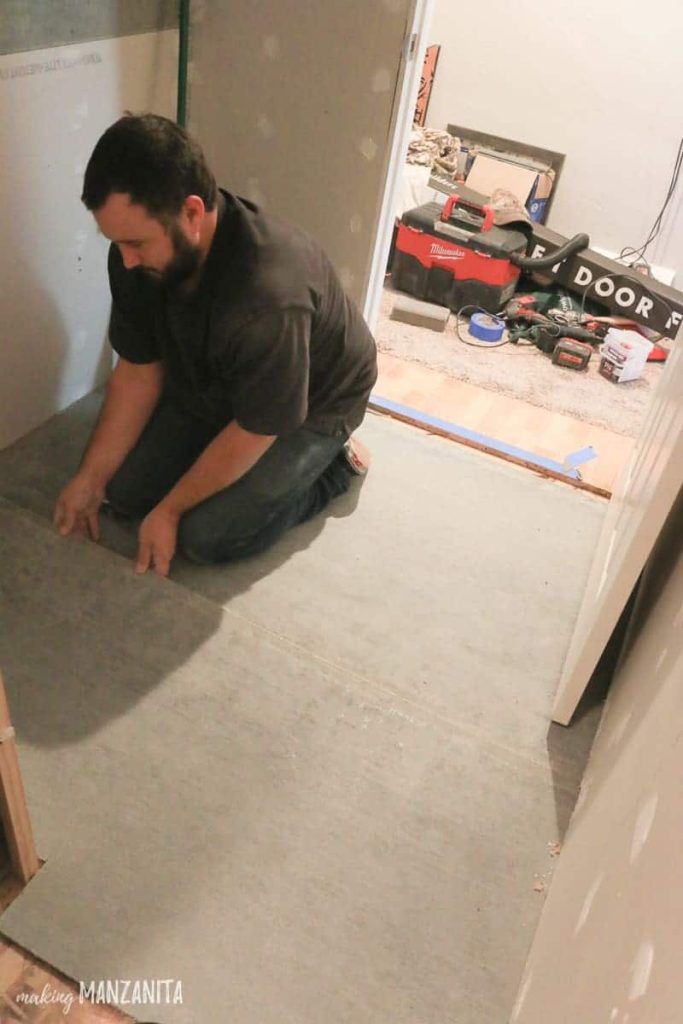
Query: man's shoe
x=357, y=456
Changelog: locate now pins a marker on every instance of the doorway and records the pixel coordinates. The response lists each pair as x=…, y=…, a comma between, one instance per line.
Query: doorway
x=510, y=399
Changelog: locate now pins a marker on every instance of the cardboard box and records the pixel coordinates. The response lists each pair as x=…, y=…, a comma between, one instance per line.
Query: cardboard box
x=531, y=184
x=539, y=196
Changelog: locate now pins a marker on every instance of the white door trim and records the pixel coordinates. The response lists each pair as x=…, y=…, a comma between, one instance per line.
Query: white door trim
x=641, y=502
x=408, y=84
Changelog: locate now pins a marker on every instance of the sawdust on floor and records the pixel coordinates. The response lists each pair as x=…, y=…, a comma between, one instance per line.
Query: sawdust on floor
x=522, y=372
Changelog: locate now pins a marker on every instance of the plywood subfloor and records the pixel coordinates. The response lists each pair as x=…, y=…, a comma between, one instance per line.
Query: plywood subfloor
x=530, y=427
x=322, y=786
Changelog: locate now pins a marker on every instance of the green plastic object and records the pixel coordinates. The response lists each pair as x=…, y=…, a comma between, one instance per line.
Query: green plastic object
x=183, y=48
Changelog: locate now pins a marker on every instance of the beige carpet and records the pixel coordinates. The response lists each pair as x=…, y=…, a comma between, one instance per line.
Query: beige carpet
x=521, y=372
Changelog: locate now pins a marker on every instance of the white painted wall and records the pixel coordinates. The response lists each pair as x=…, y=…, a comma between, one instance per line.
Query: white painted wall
x=55, y=297
x=599, y=81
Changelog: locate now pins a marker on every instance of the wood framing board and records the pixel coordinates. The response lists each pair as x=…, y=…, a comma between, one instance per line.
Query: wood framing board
x=426, y=82
x=14, y=817
x=10, y=887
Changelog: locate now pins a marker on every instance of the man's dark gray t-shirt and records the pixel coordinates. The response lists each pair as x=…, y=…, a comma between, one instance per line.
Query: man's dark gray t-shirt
x=268, y=338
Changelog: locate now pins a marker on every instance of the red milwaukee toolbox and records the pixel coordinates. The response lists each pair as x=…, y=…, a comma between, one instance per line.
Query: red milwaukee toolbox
x=455, y=256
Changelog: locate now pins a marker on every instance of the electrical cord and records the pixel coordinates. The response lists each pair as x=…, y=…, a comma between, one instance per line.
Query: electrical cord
x=639, y=252
x=559, y=319
x=638, y=262
x=475, y=341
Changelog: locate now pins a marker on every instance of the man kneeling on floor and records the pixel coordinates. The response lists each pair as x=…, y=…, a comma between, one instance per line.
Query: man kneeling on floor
x=243, y=366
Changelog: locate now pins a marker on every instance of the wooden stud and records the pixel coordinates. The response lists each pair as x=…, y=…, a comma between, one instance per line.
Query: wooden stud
x=13, y=810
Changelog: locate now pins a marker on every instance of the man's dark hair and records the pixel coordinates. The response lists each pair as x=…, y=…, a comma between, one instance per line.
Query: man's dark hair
x=153, y=160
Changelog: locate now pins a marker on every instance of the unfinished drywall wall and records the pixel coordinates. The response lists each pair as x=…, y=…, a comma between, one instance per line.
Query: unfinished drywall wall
x=54, y=103
x=600, y=82
x=608, y=945
x=293, y=103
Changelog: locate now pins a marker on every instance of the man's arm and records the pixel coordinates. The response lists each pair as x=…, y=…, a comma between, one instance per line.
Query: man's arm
x=230, y=455
x=132, y=395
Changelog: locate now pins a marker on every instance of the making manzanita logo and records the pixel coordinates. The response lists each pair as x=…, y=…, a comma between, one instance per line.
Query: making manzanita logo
x=109, y=991
x=48, y=996
x=145, y=992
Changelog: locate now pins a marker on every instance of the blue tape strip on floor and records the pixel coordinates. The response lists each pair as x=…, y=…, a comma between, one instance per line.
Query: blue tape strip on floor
x=577, y=459
x=490, y=442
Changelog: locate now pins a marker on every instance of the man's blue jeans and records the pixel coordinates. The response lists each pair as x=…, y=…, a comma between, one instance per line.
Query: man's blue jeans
x=293, y=481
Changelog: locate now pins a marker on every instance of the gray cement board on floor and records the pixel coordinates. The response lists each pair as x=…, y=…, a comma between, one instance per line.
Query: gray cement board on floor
x=292, y=841
x=454, y=568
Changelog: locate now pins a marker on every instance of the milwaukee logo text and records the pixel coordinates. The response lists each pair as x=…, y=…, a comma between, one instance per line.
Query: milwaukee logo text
x=446, y=254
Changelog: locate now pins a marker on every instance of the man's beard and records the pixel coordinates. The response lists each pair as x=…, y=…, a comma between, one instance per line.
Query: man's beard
x=185, y=263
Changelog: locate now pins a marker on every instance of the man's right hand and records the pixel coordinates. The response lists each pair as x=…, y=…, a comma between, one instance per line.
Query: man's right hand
x=77, y=508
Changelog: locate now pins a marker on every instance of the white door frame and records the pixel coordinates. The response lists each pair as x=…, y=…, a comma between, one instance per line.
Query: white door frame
x=409, y=82
x=641, y=502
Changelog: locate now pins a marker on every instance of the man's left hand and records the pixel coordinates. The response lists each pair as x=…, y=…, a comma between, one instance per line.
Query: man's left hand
x=157, y=541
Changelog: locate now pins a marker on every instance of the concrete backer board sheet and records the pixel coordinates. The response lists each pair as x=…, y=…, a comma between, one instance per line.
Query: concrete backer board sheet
x=29, y=26
x=447, y=566
x=328, y=800
x=422, y=314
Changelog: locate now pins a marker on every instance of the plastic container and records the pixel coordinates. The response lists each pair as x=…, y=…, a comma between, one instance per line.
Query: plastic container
x=623, y=355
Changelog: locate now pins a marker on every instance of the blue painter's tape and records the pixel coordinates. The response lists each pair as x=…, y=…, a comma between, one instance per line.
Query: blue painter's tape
x=486, y=327
x=471, y=435
x=578, y=458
